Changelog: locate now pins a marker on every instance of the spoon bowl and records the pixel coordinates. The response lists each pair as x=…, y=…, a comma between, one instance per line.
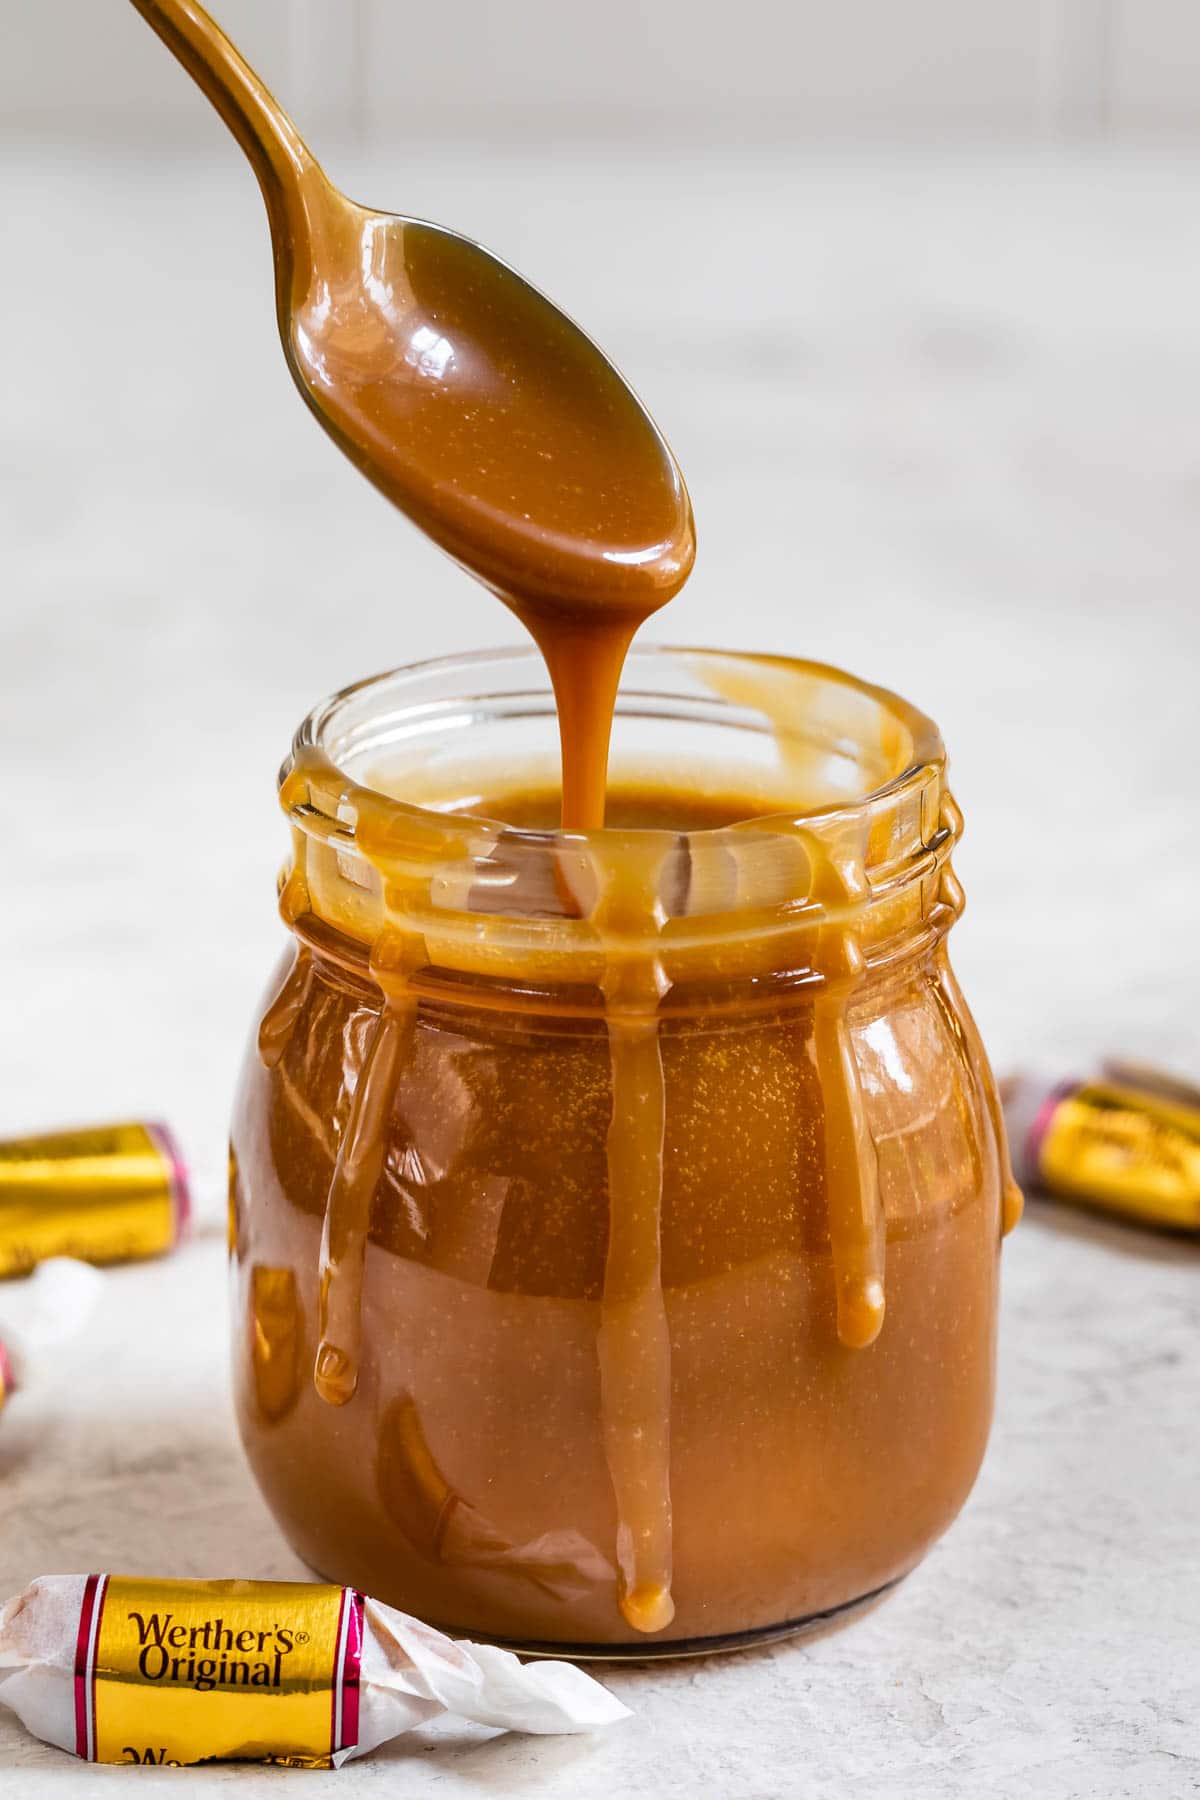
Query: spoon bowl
x=486, y=415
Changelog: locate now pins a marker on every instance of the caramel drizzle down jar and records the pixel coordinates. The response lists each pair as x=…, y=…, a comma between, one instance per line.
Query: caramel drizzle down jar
x=642, y=929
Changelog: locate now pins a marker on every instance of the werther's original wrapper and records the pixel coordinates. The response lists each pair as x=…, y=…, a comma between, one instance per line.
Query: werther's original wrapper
x=118, y=1669
x=1125, y=1148
x=108, y=1193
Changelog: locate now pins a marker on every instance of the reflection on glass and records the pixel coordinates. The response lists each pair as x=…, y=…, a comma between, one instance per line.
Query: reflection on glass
x=275, y=1332
x=234, y=1207
x=445, y=1528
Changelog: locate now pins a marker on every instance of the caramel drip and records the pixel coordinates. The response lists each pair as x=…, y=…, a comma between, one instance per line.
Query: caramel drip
x=1012, y=1201
x=857, y=1228
x=790, y=695
x=294, y=897
x=634, y=1344
x=348, y=1209
x=399, y=846
x=584, y=659
x=279, y=1020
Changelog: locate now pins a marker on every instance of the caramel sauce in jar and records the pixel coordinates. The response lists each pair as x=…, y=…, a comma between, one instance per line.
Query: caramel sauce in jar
x=617, y=1213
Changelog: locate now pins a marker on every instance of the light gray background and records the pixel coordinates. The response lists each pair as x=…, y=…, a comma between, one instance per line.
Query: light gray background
x=384, y=69
x=918, y=290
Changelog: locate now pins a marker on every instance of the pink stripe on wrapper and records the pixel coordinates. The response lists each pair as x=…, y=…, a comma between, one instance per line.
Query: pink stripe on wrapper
x=352, y=1673
x=85, y=1667
x=8, y=1379
x=82, y=1639
x=343, y=1733
x=1041, y=1125
x=164, y=1141
x=335, y=1698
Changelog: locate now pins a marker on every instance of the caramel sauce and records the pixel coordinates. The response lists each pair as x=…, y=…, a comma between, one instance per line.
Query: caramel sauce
x=628, y=890
x=499, y=429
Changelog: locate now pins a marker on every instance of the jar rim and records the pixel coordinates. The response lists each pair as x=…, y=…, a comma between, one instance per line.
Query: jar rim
x=422, y=887
x=926, y=747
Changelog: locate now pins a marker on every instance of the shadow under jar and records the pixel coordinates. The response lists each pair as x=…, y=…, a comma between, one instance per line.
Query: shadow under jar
x=617, y=1215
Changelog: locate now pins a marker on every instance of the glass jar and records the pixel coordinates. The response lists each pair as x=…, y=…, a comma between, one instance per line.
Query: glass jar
x=616, y=1216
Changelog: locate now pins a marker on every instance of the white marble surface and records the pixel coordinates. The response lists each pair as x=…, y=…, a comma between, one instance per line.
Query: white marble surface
x=939, y=416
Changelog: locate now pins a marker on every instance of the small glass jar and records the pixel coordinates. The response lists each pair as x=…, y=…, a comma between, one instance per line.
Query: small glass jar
x=616, y=1216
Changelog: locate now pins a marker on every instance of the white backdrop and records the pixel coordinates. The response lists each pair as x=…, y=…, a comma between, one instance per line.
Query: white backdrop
x=391, y=68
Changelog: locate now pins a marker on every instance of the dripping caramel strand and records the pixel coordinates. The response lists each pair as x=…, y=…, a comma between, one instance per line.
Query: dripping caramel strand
x=381, y=839
x=856, y=1221
x=633, y=1344
x=348, y=1206
x=279, y=1020
x=833, y=877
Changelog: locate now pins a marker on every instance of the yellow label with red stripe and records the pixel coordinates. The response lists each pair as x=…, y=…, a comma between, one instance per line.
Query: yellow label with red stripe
x=175, y=1672
x=1129, y=1152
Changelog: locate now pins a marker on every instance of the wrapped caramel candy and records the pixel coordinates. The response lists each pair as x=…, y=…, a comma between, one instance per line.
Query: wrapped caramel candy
x=108, y=1193
x=118, y=1669
x=1127, y=1142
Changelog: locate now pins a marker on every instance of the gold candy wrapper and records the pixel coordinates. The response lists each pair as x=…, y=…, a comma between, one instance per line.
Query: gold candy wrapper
x=1124, y=1148
x=117, y=1669
x=110, y=1193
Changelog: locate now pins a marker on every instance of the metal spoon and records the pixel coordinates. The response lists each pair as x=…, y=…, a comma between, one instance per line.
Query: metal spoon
x=465, y=395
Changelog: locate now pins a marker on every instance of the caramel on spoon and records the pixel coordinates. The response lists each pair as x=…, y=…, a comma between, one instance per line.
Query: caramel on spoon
x=472, y=402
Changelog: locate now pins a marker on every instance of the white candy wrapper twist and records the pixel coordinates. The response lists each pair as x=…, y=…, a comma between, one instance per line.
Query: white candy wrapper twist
x=49, y=1308
x=126, y=1670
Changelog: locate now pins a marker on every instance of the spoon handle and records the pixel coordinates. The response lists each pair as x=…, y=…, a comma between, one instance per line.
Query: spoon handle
x=277, y=153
